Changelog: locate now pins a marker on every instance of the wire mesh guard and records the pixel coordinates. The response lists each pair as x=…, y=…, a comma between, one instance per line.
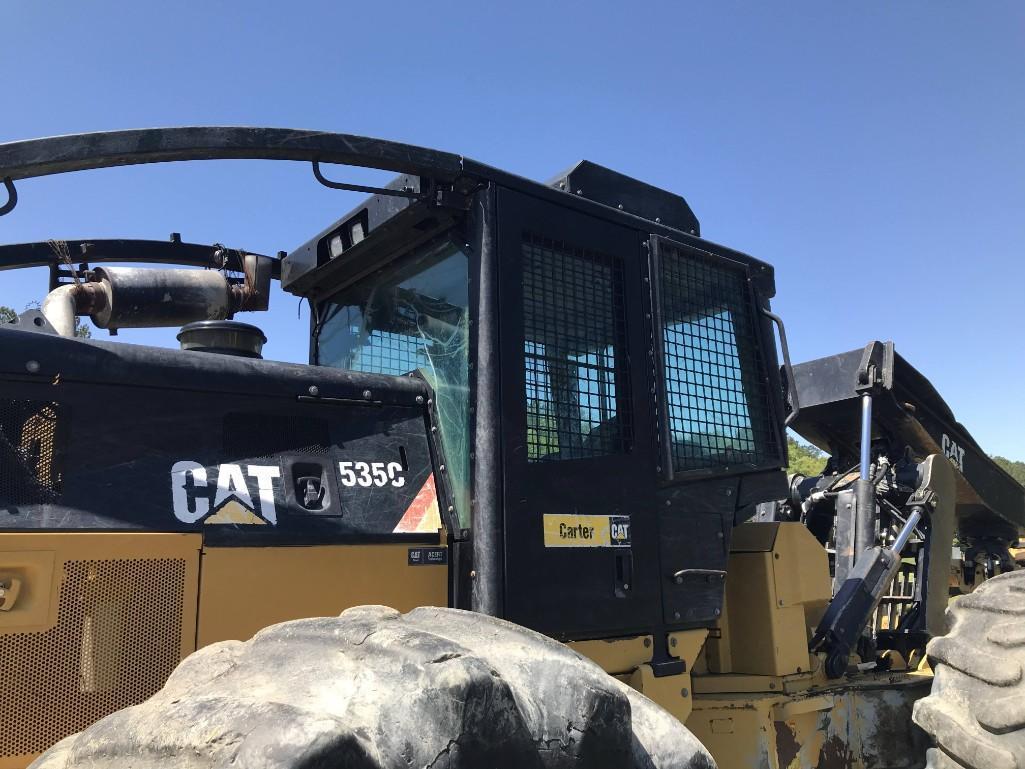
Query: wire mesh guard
x=577, y=396
x=28, y=452
x=117, y=639
x=718, y=398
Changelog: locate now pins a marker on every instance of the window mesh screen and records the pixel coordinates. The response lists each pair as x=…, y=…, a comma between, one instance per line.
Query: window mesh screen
x=390, y=352
x=29, y=472
x=718, y=397
x=574, y=352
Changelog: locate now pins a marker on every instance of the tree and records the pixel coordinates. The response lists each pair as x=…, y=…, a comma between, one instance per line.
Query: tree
x=1015, y=469
x=7, y=314
x=804, y=458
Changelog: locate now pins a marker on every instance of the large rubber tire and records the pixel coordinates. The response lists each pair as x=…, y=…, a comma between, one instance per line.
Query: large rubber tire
x=976, y=711
x=375, y=688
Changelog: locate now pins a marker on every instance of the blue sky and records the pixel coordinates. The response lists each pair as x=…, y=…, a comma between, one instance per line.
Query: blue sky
x=873, y=152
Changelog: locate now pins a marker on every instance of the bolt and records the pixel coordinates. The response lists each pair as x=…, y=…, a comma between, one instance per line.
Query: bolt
x=676, y=615
x=729, y=492
x=776, y=556
x=669, y=503
x=314, y=391
x=647, y=643
x=772, y=685
x=430, y=401
x=626, y=585
x=780, y=602
x=678, y=580
x=32, y=367
x=684, y=692
x=473, y=574
x=367, y=394
x=717, y=612
x=672, y=642
x=450, y=508
x=620, y=206
x=419, y=399
x=934, y=501
x=658, y=220
x=442, y=468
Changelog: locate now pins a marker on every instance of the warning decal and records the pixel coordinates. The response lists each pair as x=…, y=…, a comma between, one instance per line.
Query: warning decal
x=587, y=530
x=423, y=514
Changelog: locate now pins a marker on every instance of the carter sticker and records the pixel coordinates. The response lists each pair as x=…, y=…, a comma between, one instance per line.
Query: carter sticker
x=241, y=494
x=587, y=530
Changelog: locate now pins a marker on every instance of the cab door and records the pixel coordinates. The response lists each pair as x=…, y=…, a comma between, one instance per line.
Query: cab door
x=581, y=546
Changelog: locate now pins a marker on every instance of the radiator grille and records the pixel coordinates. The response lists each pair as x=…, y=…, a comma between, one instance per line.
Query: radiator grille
x=574, y=322
x=117, y=639
x=28, y=452
x=715, y=378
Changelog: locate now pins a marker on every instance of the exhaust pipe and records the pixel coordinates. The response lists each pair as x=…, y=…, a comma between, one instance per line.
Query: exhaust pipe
x=60, y=307
x=139, y=297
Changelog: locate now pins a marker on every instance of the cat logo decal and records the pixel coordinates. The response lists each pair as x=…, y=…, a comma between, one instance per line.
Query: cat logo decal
x=235, y=493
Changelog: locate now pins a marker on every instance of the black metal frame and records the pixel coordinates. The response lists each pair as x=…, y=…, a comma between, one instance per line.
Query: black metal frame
x=448, y=193
x=101, y=250
x=769, y=363
x=79, y=152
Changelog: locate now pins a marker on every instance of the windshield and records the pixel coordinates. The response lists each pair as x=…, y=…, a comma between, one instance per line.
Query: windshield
x=413, y=317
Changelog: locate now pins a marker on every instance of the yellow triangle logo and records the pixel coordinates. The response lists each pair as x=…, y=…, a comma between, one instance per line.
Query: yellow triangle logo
x=234, y=512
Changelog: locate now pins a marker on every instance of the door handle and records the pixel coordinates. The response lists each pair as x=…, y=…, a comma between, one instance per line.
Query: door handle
x=709, y=574
x=624, y=574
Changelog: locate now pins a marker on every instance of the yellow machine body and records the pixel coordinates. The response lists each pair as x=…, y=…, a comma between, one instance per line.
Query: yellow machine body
x=100, y=620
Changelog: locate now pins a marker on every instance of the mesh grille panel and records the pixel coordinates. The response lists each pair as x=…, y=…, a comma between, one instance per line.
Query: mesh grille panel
x=117, y=639
x=263, y=435
x=28, y=452
x=389, y=352
x=717, y=393
x=578, y=403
